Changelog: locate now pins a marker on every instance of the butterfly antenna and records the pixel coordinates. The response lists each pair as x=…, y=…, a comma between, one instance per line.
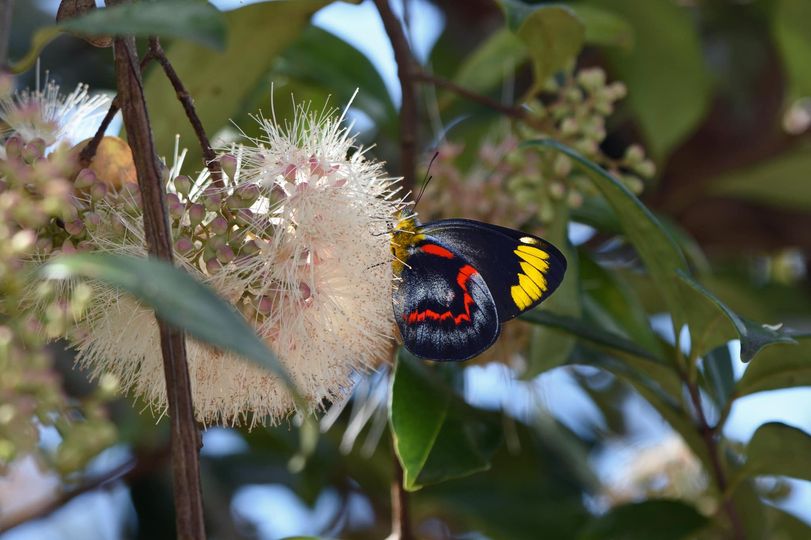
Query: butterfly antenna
x=428, y=178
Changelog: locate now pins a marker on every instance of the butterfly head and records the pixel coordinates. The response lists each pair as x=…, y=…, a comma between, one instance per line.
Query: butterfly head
x=404, y=236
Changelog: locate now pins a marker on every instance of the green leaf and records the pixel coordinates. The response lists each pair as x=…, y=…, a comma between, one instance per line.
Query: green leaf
x=712, y=323
x=656, y=248
x=221, y=82
x=669, y=87
x=39, y=40
x=436, y=435
x=790, y=28
x=322, y=59
x=719, y=374
x=176, y=297
x=781, y=366
x=551, y=348
x=587, y=331
x=484, y=69
x=781, y=181
x=662, y=519
x=779, y=449
x=604, y=27
x=553, y=36
x=187, y=19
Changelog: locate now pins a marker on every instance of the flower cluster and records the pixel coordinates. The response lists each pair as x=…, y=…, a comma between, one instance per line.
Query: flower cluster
x=35, y=192
x=520, y=185
x=293, y=234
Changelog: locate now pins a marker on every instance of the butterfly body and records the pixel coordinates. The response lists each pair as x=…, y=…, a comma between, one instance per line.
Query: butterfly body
x=458, y=280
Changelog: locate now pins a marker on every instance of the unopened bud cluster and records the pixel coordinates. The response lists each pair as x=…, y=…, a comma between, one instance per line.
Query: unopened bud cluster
x=513, y=185
x=36, y=196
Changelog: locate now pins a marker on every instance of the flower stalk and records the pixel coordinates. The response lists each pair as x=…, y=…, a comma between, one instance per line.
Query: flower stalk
x=185, y=438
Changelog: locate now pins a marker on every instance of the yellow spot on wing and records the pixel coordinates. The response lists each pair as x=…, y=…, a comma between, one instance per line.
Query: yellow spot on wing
x=520, y=297
x=535, y=252
x=533, y=274
x=529, y=286
x=528, y=240
x=540, y=264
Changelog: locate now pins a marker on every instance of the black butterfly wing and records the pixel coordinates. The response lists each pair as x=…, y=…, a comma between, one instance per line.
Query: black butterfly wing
x=442, y=305
x=521, y=270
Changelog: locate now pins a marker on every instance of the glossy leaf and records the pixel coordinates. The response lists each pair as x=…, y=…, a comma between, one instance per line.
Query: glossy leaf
x=669, y=87
x=719, y=374
x=662, y=519
x=186, y=19
x=780, y=181
x=586, y=331
x=781, y=366
x=176, y=297
x=436, y=435
x=553, y=35
x=221, y=82
x=712, y=323
x=779, y=449
x=656, y=248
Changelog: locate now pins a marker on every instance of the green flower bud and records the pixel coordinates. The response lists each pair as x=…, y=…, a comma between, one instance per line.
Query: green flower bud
x=225, y=254
x=85, y=179
x=197, y=213
x=183, y=185
x=228, y=164
x=219, y=225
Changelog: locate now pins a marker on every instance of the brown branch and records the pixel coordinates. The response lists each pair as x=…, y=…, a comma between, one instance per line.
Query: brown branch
x=513, y=112
x=708, y=435
x=89, y=151
x=408, y=108
x=185, y=435
x=185, y=99
x=400, y=520
x=130, y=470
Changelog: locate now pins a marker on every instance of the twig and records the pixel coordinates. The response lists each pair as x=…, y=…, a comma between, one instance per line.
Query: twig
x=400, y=520
x=185, y=99
x=89, y=151
x=6, y=12
x=513, y=112
x=708, y=435
x=132, y=469
x=185, y=441
x=408, y=107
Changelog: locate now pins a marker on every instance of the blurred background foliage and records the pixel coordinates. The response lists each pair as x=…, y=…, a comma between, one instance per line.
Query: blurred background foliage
x=603, y=416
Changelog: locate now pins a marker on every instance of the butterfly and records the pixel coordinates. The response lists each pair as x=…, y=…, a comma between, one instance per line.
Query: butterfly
x=458, y=280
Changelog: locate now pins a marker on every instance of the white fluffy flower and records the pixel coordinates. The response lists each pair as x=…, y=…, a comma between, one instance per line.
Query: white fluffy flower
x=316, y=283
x=51, y=116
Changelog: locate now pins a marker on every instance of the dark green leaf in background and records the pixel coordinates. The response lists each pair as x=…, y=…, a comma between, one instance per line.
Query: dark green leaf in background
x=669, y=87
x=781, y=181
x=221, y=82
x=176, y=297
x=661, y=519
x=187, y=19
x=553, y=36
x=781, y=366
x=436, y=435
x=779, y=449
x=790, y=28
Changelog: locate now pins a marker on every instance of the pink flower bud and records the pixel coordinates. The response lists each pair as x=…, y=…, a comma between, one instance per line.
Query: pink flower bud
x=213, y=266
x=183, y=185
x=228, y=164
x=85, y=179
x=219, y=225
x=225, y=254
x=265, y=305
x=75, y=227
x=99, y=191
x=197, y=212
x=184, y=244
x=212, y=199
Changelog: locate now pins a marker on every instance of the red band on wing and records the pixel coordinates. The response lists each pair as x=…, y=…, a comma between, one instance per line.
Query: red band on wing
x=429, y=315
x=439, y=251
